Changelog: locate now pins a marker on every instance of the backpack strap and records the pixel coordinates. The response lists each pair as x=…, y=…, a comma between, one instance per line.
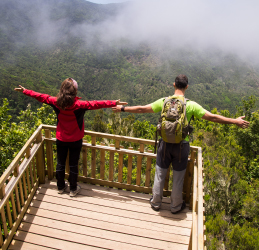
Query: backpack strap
x=155, y=143
x=167, y=99
x=184, y=109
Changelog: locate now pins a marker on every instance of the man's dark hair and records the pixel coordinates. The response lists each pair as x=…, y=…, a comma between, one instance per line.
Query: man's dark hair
x=181, y=81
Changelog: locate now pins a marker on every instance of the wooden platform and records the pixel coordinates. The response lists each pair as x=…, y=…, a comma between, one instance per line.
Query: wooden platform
x=100, y=218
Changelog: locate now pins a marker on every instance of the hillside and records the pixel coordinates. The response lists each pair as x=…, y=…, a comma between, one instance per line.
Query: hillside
x=40, y=48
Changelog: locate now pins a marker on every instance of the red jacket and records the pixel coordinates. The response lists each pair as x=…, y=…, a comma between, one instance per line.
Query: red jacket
x=70, y=122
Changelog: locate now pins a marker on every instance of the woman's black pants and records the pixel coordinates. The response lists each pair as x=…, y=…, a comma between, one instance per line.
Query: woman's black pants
x=74, y=149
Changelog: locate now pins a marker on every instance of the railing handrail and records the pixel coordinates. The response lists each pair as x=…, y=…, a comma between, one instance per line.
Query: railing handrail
x=110, y=136
x=18, y=157
x=197, y=240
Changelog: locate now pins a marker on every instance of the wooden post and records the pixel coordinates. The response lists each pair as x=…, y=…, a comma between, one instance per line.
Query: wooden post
x=4, y=223
x=139, y=164
x=102, y=163
x=117, y=144
x=1, y=238
x=190, y=242
x=14, y=207
x=120, y=167
x=40, y=160
x=28, y=180
x=21, y=192
x=49, y=153
x=111, y=164
x=84, y=151
x=195, y=208
x=31, y=174
x=9, y=215
x=93, y=158
x=148, y=170
x=24, y=187
x=34, y=169
x=2, y=192
x=129, y=167
x=17, y=200
x=201, y=209
x=188, y=179
x=16, y=170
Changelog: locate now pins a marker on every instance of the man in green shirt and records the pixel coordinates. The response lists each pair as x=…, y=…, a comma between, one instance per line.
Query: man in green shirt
x=177, y=154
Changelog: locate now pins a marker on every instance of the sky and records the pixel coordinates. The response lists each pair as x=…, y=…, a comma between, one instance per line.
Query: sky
x=106, y=1
x=231, y=26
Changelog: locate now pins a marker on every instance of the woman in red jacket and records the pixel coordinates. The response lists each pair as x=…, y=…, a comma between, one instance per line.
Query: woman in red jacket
x=70, y=127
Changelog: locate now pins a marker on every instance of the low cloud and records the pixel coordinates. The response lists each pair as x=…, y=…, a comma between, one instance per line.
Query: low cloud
x=231, y=26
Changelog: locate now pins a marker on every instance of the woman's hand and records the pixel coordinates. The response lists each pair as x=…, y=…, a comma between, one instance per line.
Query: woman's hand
x=118, y=102
x=21, y=89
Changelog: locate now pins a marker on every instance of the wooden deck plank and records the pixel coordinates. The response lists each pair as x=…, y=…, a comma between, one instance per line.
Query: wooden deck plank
x=141, y=207
x=113, y=227
x=83, y=209
x=123, y=236
x=79, y=238
x=92, y=219
x=106, y=190
x=20, y=245
x=100, y=218
x=50, y=242
x=144, y=201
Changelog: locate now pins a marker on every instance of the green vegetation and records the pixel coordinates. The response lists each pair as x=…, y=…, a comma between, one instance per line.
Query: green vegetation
x=231, y=168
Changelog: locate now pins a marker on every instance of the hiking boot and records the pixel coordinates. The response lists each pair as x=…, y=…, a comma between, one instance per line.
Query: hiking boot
x=74, y=193
x=152, y=206
x=182, y=208
x=61, y=191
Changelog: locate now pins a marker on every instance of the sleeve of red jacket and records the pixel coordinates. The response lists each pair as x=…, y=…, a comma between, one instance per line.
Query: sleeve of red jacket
x=40, y=97
x=97, y=104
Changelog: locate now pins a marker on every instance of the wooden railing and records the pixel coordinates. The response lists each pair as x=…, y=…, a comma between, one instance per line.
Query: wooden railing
x=197, y=234
x=18, y=185
x=108, y=160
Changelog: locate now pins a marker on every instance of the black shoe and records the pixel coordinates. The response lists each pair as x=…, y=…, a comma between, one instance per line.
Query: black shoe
x=182, y=208
x=154, y=208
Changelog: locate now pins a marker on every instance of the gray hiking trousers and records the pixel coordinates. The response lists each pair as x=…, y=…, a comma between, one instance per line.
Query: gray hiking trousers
x=176, y=154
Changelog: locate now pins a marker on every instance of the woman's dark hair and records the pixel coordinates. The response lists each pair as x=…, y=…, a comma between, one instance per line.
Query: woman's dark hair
x=67, y=93
x=181, y=81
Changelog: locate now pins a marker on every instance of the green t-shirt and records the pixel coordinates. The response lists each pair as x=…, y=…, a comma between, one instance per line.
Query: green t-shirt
x=192, y=109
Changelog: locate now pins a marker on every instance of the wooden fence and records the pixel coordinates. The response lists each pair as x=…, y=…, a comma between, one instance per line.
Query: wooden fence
x=108, y=160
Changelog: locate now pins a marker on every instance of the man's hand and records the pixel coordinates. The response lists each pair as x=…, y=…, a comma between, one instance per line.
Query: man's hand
x=242, y=123
x=118, y=102
x=134, y=109
x=21, y=89
x=117, y=108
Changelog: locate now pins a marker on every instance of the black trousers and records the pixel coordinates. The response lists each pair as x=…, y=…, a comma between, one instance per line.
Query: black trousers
x=175, y=153
x=74, y=149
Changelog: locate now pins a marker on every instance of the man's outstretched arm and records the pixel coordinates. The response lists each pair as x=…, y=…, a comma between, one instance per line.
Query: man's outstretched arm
x=134, y=109
x=225, y=120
